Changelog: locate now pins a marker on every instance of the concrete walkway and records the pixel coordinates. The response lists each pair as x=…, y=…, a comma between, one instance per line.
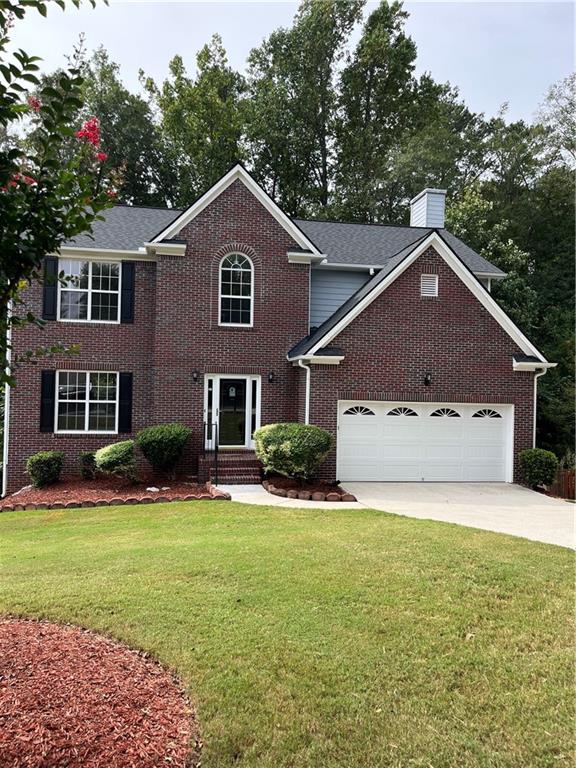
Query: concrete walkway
x=499, y=507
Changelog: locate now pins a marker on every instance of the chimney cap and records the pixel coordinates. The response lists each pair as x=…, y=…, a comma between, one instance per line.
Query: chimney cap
x=426, y=191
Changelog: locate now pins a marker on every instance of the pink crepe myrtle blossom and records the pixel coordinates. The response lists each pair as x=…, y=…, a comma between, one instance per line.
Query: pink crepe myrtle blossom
x=111, y=193
x=34, y=103
x=90, y=131
x=101, y=156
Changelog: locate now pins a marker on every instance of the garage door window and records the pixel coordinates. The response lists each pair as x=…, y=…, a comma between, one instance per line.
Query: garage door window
x=486, y=413
x=450, y=412
x=402, y=412
x=358, y=410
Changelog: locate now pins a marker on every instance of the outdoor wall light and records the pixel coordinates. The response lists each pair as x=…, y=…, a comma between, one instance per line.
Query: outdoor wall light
x=270, y=377
x=427, y=379
x=195, y=375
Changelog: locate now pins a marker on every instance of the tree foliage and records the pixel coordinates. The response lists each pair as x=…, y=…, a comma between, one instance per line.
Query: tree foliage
x=44, y=201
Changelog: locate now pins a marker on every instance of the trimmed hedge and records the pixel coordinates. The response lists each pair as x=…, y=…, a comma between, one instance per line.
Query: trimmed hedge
x=537, y=466
x=291, y=449
x=117, y=459
x=163, y=445
x=45, y=467
x=87, y=461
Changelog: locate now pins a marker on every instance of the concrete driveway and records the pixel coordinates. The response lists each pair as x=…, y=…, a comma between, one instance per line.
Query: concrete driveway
x=499, y=507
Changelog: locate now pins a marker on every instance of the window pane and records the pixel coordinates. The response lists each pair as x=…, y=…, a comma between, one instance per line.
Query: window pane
x=71, y=385
x=102, y=417
x=103, y=386
x=75, y=272
x=71, y=415
x=73, y=305
x=105, y=276
x=104, y=306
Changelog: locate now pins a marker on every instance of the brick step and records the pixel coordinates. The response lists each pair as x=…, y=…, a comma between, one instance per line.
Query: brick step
x=236, y=479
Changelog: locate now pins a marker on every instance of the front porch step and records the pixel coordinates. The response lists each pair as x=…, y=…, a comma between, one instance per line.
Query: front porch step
x=234, y=467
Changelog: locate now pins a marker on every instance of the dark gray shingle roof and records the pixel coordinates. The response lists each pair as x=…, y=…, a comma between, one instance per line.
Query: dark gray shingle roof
x=128, y=227
x=374, y=244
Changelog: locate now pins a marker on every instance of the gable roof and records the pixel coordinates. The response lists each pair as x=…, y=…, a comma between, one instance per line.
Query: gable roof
x=238, y=173
x=374, y=244
x=394, y=267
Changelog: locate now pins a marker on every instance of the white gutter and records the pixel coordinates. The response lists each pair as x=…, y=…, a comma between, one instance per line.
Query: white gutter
x=536, y=377
x=302, y=364
x=7, y=402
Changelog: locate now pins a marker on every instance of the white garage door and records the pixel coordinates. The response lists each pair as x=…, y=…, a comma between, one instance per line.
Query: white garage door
x=424, y=442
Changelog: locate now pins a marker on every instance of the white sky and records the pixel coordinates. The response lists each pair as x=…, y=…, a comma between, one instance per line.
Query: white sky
x=494, y=52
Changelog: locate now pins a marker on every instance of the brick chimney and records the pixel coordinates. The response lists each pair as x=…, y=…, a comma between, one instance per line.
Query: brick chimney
x=427, y=208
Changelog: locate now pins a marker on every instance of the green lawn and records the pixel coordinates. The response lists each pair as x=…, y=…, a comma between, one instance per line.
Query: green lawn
x=314, y=639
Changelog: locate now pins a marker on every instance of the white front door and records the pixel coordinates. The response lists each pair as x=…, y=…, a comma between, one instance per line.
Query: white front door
x=231, y=410
x=384, y=441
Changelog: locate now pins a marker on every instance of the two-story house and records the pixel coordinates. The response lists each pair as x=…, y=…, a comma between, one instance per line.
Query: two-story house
x=229, y=315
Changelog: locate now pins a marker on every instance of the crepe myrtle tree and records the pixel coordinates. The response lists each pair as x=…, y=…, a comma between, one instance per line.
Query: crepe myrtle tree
x=44, y=201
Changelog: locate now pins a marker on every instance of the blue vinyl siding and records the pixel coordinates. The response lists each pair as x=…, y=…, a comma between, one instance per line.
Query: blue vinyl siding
x=329, y=289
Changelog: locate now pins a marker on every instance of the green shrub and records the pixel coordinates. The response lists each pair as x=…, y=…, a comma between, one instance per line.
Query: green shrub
x=88, y=464
x=537, y=467
x=45, y=467
x=293, y=450
x=163, y=445
x=117, y=459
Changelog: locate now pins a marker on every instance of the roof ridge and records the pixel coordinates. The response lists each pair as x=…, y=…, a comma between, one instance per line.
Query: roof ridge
x=360, y=223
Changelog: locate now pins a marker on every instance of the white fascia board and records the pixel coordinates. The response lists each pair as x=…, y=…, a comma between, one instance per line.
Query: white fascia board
x=241, y=174
x=318, y=359
x=491, y=275
x=297, y=257
x=165, y=249
x=114, y=254
x=349, y=267
x=532, y=366
x=461, y=271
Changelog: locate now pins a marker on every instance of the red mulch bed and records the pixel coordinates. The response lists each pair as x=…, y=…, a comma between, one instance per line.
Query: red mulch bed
x=279, y=486
x=71, y=698
x=77, y=490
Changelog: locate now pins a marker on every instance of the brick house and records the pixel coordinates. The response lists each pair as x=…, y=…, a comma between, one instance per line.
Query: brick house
x=230, y=315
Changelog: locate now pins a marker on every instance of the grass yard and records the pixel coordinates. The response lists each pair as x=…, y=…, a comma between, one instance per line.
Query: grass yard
x=312, y=639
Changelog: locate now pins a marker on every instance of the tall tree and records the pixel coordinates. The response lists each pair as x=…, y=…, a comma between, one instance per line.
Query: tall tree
x=201, y=119
x=292, y=103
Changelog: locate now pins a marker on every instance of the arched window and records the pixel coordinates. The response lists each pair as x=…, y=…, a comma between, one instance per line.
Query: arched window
x=236, y=290
x=402, y=411
x=358, y=410
x=450, y=412
x=486, y=413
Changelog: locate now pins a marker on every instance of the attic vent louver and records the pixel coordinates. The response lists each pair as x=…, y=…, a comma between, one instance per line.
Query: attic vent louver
x=428, y=285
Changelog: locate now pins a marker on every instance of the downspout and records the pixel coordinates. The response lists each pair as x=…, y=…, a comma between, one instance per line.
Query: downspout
x=536, y=377
x=7, y=402
x=302, y=364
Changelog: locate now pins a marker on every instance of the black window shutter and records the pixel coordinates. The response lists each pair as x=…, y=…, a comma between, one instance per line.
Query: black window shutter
x=125, y=403
x=47, y=400
x=127, y=298
x=50, y=288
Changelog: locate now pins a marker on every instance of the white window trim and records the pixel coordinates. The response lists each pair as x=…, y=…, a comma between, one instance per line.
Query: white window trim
x=89, y=291
x=434, y=278
x=251, y=297
x=87, y=401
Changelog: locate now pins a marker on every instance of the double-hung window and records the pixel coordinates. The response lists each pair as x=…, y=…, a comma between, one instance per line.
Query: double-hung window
x=86, y=401
x=91, y=293
x=236, y=290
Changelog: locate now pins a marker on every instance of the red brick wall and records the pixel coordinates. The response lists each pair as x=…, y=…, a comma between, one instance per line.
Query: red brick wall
x=176, y=332
x=124, y=347
x=401, y=336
